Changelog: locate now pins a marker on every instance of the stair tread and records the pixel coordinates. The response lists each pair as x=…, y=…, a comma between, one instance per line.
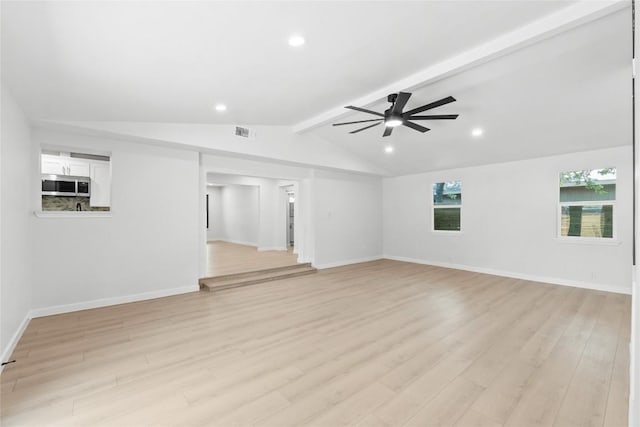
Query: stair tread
x=233, y=281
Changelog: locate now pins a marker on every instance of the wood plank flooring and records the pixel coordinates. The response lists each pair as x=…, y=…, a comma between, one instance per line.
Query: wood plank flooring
x=230, y=258
x=381, y=344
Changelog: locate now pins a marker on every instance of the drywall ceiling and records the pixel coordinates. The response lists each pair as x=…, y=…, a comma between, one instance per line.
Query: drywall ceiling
x=153, y=61
x=160, y=64
x=568, y=93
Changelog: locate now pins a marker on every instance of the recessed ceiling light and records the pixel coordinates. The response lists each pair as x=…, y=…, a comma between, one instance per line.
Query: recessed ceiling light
x=388, y=149
x=221, y=107
x=477, y=132
x=296, y=41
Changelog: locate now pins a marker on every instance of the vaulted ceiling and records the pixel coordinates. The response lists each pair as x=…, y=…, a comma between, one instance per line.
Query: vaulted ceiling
x=565, y=94
x=172, y=62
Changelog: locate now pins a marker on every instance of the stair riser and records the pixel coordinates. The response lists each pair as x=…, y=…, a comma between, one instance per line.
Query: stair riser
x=250, y=274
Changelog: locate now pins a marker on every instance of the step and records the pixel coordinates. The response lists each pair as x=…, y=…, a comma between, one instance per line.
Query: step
x=255, y=277
x=249, y=274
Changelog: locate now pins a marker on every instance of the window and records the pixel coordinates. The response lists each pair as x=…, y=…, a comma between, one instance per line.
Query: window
x=75, y=181
x=447, y=205
x=587, y=202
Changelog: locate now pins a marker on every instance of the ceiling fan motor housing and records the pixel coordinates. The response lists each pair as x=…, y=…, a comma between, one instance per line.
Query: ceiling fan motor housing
x=389, y=115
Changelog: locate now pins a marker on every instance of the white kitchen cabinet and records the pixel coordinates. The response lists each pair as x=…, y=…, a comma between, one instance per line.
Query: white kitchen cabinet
x=53, y=165
x=100, y=184
x=59, y=165
x=78, y=167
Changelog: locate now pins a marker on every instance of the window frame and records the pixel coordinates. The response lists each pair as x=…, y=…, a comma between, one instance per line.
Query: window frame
x=582, y=239
x=434, y=207
x=90, y=154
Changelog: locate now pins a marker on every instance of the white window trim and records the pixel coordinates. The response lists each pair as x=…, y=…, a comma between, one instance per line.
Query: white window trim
x=587, y=240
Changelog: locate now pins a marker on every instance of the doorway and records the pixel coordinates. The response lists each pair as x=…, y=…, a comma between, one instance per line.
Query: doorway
x=250, y=224
x=291, y=200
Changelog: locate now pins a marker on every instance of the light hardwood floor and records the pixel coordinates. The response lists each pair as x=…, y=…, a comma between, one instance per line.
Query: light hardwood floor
x=383, y=343
x=230, y=258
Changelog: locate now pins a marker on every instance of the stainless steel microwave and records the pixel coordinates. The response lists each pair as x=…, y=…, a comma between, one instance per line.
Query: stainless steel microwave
x=66, y=185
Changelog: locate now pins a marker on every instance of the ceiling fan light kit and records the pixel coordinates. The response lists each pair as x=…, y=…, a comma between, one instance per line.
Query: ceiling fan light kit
x=394, y=116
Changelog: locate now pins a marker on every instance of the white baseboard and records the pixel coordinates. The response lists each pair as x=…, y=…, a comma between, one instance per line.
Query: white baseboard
x=6, y=354
x=523, y=276
x=347, y=262
x=68, y=308
x=271, y=248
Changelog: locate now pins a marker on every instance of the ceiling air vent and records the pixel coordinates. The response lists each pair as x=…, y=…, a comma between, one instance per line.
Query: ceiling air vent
x=245, y=132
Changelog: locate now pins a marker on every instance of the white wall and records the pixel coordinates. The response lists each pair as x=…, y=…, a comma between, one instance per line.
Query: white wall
x=509, y=222
x=271, y=221
x=347, y=217
x=272, y=231
x=304, y=221
x=16, y=159
x=216, y=225
x=148, y=247
x=240, y=209
x=271, y=143
x=634, y=371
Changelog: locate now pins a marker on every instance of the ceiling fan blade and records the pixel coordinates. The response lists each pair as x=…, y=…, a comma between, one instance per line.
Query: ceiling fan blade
x=415, y=126
x=387, y=131
x=426, y=107
x=359, y=121
x=401, y=101
x=434, y=117
x=365, y=128
x=364, y=110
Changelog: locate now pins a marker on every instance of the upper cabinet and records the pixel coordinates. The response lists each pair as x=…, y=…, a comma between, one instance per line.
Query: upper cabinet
x=100, y=184
x=59, y=165
x=79, y=167
x=52, y=165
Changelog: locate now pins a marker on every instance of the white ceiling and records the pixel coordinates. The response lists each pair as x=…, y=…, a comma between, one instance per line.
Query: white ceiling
x=170, y=61
x=566, y=94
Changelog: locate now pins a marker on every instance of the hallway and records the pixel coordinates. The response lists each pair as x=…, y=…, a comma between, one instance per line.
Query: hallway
x=230, y=258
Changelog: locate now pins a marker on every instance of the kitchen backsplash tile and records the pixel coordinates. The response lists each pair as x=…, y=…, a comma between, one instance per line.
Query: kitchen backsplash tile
x=63, y=203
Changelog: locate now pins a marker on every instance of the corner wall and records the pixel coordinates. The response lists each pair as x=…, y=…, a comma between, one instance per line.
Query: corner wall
x=262, y=216
x=240, y=214
x=347, y=216
x=16, y=160
x=509, y=222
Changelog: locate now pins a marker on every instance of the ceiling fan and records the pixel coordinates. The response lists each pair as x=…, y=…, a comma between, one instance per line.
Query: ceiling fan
x=394, y=116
